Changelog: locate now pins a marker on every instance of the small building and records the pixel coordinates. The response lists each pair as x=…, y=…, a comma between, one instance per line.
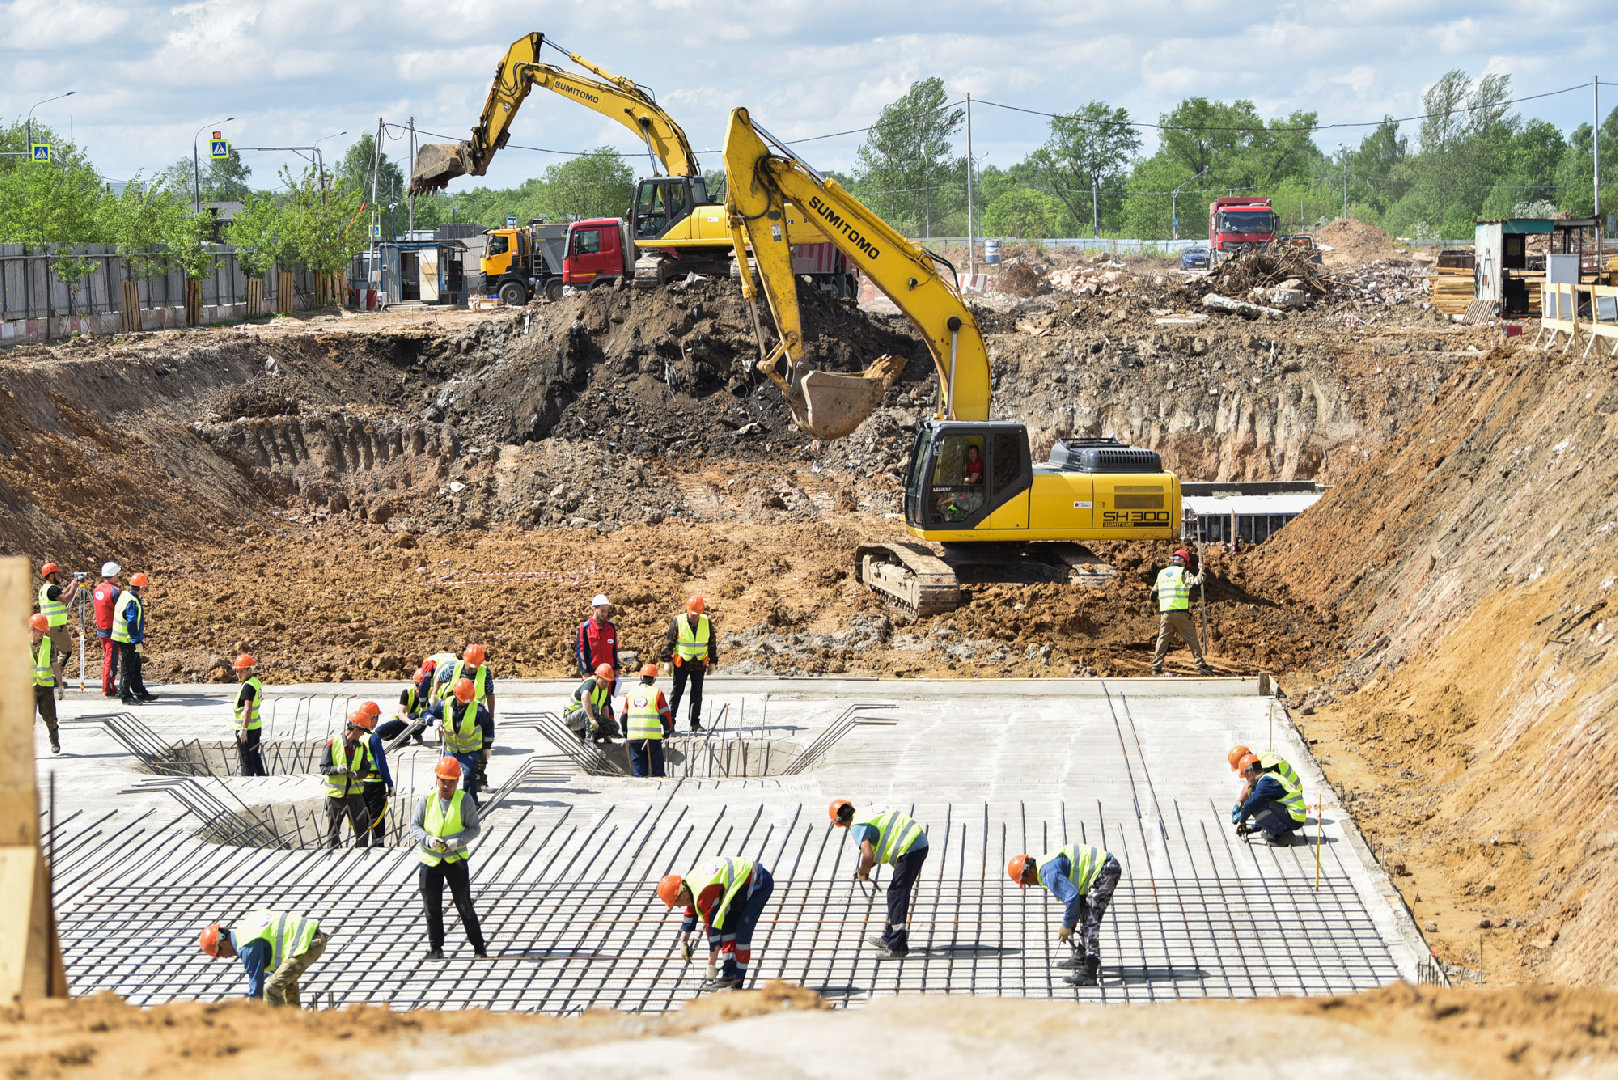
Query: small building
x=427, y=271
x=1509, y=272
x=1251, y=512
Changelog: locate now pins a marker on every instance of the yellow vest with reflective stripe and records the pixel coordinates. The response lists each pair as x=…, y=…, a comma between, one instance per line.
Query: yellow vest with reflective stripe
x=1173, y=594
x=1293, y=799
x=480, y=681
x=287, y=934
x=339, y=786
x=896, y=833
x=54, y=610
x=732, y=875
x=1281, y=767
x=641, y=716
x=1083, y=863
x=693, y=645
x=467, y=736
x=443, y=824
x=120, y=625
x=253, y=722
x=43, y=674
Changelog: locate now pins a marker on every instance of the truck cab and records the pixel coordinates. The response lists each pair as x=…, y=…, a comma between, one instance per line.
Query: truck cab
x=520, y=261
x=599, y=253
x=1237, y=224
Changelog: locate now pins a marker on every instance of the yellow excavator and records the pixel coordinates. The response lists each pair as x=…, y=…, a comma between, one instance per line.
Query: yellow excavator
x=972, y=485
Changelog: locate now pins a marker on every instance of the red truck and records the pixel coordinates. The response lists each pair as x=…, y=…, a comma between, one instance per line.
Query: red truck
x=1236, y=224
x=600, y=252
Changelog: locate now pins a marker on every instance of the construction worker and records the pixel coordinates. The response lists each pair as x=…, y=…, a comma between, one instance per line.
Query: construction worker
x=729, y=894
x=40, y=648
x=1083, y=878
x=378, y=780
x=467, y=728
x=443, y=664
x=646, y=718
x=413, y=699
x=1173, y=592
x=1271, y=805
x=129, y=631
x=277, y=944
x=1271, y=761
x=444, y=827
x=692, y=647
x=54, y=600
x=105, y=598
x=249, y=724
x=589, y=714
x=596, y=642
x=472, y=666
x=344, y=768
x=890, y=838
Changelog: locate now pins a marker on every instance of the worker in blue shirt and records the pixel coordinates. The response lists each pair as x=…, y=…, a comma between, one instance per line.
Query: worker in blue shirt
x=468, y=730
x=378, y=780
x=412, y=700
x=276, y=948
x=1082, y=877
x=1271, y=802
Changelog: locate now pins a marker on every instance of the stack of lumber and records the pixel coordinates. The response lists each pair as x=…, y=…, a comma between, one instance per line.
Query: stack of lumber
x=1452, y=289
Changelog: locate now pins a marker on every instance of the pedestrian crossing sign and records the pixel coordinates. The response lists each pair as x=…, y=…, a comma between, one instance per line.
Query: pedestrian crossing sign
x=219, y=149
x=376, y=231
x=42, y=151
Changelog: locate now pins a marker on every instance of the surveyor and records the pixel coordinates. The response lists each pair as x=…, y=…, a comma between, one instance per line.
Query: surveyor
x=413, y=700
x=1271, y=761
x=589, y=714
x=1173, y=592
x=596, y=642
x=887, y=837
x=54, y=600
x=276, y=948
x=444, y=827
x=646, y=718
x=344, y=767
x=1082, y=877
x=472, y=666
x=729, y=894
x=105, y=598
x=468, y=729
x=378, y=780
x=692, y=647
x=1271, y=804
x=129, y=631
x=40, y=648
x=249, y=724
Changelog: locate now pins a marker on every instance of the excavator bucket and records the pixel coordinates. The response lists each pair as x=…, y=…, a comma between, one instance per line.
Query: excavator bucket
x=439, y=163
x=831, y=406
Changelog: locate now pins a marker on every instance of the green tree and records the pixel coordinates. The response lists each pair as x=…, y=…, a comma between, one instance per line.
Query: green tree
x=51, y=205
x=1023, y=213
x=356, y=166
x=256, y=232
x=1087, y=150
x=597, y=184
x=1575, y=170
x=137, y=222
x=906, y=172
x=320, y=223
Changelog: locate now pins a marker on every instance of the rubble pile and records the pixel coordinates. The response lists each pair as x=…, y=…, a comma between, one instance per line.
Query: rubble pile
x=1385, y=281
x=1103, y=278
x=1017, y=278
x=1267, y=270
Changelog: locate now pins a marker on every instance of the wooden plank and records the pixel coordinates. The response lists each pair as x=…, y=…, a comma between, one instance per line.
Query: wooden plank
x=19, y=797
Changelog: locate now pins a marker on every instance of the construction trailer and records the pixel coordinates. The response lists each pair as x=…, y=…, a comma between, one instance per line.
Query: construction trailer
x=425, y=271
x=1221, y=512
x=1515, y=257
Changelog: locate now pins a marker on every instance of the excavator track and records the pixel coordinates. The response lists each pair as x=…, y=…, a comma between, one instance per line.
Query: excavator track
x=909, y=576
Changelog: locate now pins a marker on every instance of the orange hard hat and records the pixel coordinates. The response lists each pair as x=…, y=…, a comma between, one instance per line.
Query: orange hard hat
x=139, y=581
x=606, y=671
x=244, y=661
x=371, y=709
x=362, y=719
x=474, y=655
x=696, y=605
x=836, y=811
x=1017, y=867
x=40, y=623
x=1247, y=762
x=668, y=889
x=48, y=569
x=1235, y=756
x=447, y=769
x=209, y=940
x=464, y=690
x=648, y=671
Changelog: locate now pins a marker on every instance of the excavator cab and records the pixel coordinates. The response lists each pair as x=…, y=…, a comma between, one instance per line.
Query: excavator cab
x=962, y=473
x=662, y=202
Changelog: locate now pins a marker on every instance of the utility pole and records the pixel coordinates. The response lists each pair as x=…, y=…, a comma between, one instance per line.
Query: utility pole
x=410, y=219
x=1342, y=152
x=971, y=221
x=1095, y=208
x=1595, y=144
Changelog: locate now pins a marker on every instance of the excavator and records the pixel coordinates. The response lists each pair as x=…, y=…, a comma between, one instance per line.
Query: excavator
x=673, y=219
x=971, y=485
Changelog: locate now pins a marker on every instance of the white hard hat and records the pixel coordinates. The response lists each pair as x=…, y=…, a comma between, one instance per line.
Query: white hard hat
x=601, y=601
x=110, y=569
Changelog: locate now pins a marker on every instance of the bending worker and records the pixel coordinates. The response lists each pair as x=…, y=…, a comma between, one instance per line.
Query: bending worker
x=1271, y=761
x=730, y=895
x=468, y=729
x=444, y=827
x=1270, y=804
x=647, y=719
x=1173, y=592
x=249, y=725
x=889, y=837
x=344, y=767
x=692, y=647
x=412, y=700
x=45, y=682
x=274, y=943
x=1083, y=877
x=589, y=714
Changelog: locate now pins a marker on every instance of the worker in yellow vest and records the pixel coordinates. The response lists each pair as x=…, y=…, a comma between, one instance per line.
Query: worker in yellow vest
x=276, y=948
x=887, y=838
x=1172, y=590
x=45, y=681
x=346, y=762
x=646, y=718
x=468, y=729
x=692, y=647
x=445, y=825
x=54, y=600
x=1082, y=877
x=1272, y=804
x=729, y=894
x=249, y=722
x=474, y=667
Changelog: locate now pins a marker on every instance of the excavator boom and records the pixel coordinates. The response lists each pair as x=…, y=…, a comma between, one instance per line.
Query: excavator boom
x=762, y=177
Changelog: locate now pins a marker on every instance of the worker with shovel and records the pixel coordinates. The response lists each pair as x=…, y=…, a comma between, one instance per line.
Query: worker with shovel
x=729, y=894
x=274, y=944
x=1172, y=590
x=378, y=780
x=890, y=838
x=1083, y=877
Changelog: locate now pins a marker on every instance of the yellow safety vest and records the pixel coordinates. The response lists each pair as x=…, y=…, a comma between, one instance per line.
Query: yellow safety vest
x=693, y=645
x=253, y=722
x=442, y=824
x=287, y=934
x=120, y=625
x=54, y=610
x=467, y=736
x=732, y=875
x=600, y=697
x=1083, y=863
x=480, y=681
x=1293, y=799
x=337, y=785
x=1173, y=594
x=43, y=673
x=896, y=833
x=641, y=716
x=1281, y=767
x=440, y=685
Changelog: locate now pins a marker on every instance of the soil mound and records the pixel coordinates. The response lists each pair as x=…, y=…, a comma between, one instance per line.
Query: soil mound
x=1354, y=241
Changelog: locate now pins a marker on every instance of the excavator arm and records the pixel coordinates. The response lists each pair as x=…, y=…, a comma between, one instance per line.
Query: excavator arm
x=762, y=176
x=518, y=73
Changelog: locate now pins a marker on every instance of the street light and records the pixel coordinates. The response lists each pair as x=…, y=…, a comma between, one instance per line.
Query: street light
x=320, y=160
x=37, y=104
x=196, y=169
x=1175, y=210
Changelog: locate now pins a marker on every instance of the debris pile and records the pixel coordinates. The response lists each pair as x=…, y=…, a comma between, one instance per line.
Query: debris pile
x=1385, y=281
x=1019, y=279
x=1350, y=241
x=1267, y=269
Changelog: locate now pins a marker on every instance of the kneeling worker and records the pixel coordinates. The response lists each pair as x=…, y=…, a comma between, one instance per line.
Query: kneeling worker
x=589, y=714
x=1083, y=877
x=444, y=827
x=888, y=837
x=647, y=718
x=1272, y=804
x=730, y=895
x=273, y=943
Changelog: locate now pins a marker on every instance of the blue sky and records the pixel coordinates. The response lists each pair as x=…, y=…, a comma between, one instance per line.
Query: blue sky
x=147, y=75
